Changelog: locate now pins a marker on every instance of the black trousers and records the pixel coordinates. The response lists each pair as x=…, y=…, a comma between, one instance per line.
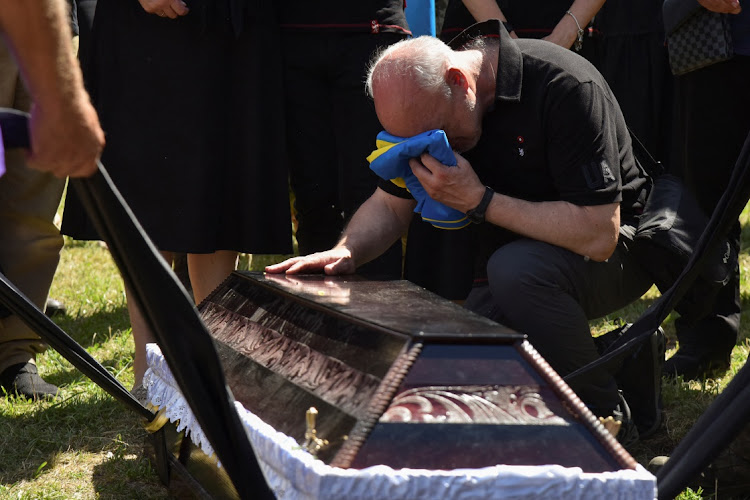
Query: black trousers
x=331, y=129
x=550, y=294
x=712, y=122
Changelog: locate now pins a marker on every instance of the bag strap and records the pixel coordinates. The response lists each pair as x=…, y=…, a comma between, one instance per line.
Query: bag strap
x=644, y=159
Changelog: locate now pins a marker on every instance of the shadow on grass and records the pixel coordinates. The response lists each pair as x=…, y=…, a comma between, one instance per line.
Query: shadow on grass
x=128, y=476
x=66, y=376
x=43, y=440
x=90, y=329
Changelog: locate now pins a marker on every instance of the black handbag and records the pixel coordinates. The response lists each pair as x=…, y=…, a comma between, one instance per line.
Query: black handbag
x=668, y=230
x=696, y=37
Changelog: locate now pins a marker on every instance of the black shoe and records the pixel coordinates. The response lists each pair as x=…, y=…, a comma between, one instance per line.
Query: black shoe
x=639, y=377
x=54, y=307
x=628, y=433
x=24, y=380
x=695, y=363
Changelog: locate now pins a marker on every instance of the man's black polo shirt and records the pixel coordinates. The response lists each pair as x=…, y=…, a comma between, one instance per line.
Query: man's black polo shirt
x=555, y=132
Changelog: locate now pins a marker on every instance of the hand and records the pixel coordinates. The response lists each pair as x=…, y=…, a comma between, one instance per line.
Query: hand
x=723, y=6
x=165, y=8
x=565, y=32
x=66, y=141
x=337, y=260
x=457, y=187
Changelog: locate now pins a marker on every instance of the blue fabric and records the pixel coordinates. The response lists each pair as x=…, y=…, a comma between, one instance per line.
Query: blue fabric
x=391, y=161
x=420, y=14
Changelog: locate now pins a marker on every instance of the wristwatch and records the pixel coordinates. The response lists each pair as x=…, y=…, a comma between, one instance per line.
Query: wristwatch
x=476, y=214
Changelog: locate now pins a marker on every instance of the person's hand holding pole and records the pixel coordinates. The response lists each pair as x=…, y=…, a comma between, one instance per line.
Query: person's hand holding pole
x=66, y=138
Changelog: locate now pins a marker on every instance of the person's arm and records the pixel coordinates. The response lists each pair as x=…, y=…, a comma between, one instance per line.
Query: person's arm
x=482, y=10
x=591, y=231
x=565, y=32
x=66, y=138
x=374, y=227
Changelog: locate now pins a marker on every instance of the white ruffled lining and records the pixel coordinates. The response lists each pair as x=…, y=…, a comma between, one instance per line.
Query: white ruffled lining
x=294, y=474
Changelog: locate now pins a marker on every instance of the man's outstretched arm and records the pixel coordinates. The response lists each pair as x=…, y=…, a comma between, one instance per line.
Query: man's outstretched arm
x=66, y=138
x=374, y=227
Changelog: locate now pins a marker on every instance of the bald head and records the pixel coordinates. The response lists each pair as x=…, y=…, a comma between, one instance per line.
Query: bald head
x=422, y=84
x=407, y=82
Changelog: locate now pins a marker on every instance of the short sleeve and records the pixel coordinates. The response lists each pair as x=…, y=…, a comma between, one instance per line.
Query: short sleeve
x=391, y=188
x=582, y=145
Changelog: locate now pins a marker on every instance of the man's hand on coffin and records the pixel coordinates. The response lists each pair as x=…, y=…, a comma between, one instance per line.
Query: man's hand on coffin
x=337, y=260
x=457, y=187
x=377, y=224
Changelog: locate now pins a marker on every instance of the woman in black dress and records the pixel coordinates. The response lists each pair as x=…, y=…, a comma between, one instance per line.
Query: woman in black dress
x=189, y=99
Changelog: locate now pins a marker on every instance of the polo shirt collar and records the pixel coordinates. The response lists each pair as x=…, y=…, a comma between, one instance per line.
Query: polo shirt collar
x=510, y=60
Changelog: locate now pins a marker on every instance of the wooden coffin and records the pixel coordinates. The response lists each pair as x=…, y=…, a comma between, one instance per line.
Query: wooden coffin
x=398, y=375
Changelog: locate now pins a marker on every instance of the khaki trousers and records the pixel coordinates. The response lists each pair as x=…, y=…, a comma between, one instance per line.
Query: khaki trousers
x=29, y=241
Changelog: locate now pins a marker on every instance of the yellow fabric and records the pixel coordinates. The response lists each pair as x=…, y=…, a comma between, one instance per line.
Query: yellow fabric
x=384, y=146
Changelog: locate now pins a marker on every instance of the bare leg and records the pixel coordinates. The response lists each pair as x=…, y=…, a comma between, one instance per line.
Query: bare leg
x=209, y=270
x=142, y=334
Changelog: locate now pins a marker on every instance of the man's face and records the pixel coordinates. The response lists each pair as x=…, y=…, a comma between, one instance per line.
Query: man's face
x=406, y=112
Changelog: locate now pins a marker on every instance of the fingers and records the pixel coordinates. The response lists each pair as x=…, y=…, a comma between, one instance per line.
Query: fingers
x=418, y=168
x=295, y=265
x=67, y=143
x=61, y=170
x=281, y=266
x=171, y=9
x=179, y=7
x=331, y=262
x=175, y=9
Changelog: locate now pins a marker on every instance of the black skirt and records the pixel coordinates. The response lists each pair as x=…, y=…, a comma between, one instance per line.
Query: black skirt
x=192, y=112
x=634, y=61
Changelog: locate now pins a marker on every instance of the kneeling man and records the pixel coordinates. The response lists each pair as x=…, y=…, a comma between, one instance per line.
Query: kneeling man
x=545, y=166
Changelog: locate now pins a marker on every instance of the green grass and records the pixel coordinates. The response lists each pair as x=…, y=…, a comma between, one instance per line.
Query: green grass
x=87, y=445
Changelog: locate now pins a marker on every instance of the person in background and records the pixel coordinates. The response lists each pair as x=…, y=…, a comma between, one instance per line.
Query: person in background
x=38, y=73
x=331, y=124
x=633, y=60
x=711, y=124
x=190, y=100
x=561, y=21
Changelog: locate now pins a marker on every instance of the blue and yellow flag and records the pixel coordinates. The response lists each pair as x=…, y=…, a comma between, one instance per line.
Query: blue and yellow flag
x=391, y=162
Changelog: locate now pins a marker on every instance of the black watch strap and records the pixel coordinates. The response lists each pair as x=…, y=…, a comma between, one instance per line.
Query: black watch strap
x=476, y=214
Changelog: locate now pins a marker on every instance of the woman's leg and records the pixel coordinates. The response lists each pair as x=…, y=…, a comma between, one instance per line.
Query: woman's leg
x=209, y=270
x=142, y=334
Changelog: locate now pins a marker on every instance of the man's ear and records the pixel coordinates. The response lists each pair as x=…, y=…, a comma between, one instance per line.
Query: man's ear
x=456, y=78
